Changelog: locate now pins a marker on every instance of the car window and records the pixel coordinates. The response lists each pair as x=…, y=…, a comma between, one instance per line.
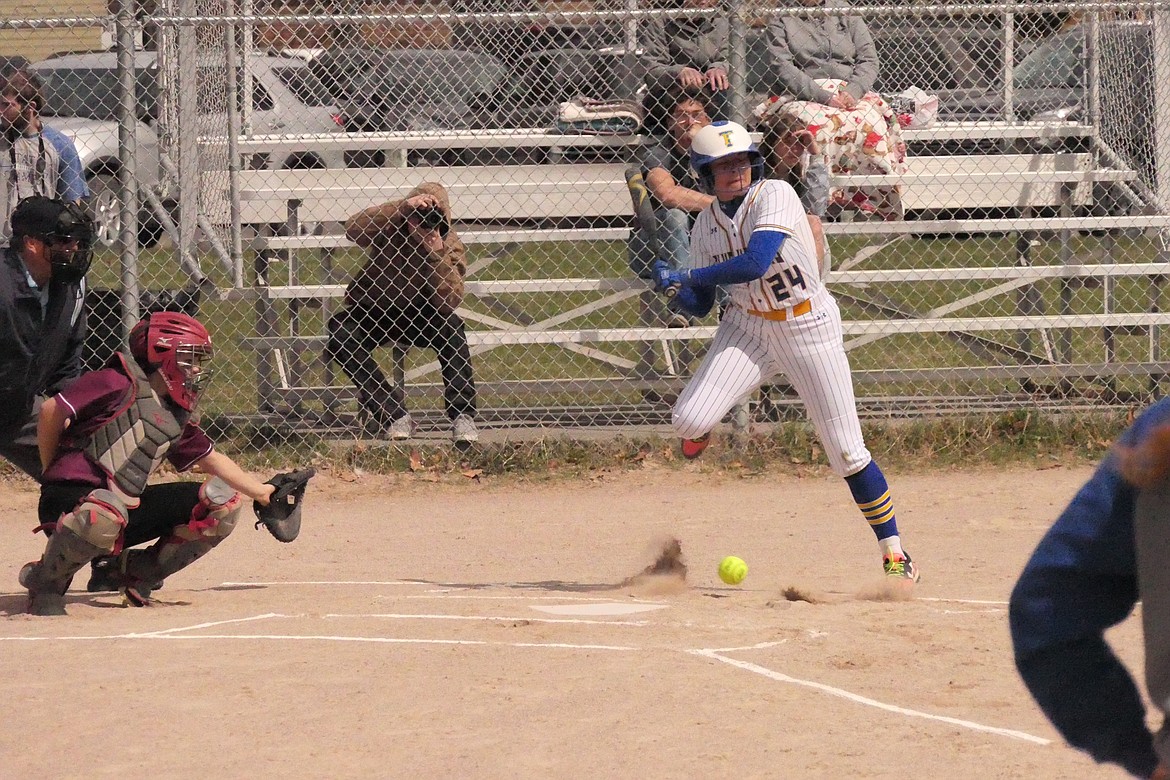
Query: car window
x=340, y=70
x=92, y=93
x=1055, y=63
x=261, y=100
x=428, y=77
x=305, y=85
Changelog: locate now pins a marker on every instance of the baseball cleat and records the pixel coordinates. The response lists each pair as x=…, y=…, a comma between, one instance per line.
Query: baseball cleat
x=693, y=448
x=401, y=429
x=900, y=567
x=41, y=603
x=106, y=575
x=465, y=430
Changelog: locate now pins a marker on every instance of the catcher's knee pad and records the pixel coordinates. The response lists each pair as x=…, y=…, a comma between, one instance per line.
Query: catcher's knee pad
x=214, y=517
x=99, y=519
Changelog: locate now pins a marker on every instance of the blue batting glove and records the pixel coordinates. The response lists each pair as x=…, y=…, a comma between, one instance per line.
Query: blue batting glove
x=666, y=277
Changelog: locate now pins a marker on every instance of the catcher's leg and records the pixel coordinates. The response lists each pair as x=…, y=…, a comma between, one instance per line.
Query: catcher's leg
x=93, y=528
x=211, y=520
x=162, y=507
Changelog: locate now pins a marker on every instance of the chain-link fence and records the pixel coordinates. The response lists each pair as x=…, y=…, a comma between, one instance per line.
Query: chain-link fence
x=994, y=216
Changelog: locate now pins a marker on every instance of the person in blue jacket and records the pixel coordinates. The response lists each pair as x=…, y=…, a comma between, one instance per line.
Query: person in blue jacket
x=1105, y=551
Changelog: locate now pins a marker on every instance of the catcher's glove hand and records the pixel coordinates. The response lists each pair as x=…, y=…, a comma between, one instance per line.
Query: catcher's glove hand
x=282, y=515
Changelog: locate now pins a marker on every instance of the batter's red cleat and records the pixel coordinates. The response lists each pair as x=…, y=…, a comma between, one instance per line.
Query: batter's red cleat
x=693, y=448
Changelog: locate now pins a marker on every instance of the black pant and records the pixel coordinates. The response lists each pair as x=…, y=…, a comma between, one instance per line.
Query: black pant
x=163, y=507
x=354, y=333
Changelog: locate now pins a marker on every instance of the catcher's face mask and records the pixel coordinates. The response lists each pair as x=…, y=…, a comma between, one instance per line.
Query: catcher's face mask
x=193, y=364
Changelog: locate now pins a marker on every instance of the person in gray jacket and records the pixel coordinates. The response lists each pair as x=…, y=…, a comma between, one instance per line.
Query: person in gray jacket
x=803, y=49
x=688, y=53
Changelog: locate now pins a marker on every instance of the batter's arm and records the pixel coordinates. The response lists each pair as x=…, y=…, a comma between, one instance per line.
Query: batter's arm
x=697, y=301
x=762, y=250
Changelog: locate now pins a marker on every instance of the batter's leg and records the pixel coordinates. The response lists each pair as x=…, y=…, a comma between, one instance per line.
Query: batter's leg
x=734, y=366
x=811, y=351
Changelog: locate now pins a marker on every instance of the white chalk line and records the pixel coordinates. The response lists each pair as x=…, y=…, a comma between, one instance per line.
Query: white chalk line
x=462, y=594
x=265, y=616
x=841, y=693
x=404, y=616
x=390, y=640
x=322, y=582
x=972, y=611
x=756, y=646
x=963, y=601
x=161, y=633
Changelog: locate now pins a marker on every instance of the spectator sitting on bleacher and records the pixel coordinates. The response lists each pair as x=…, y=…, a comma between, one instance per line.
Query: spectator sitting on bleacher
x=665, y=162
x=792, y=154
x=688, y=53
x=406, y=294
x=825, y=68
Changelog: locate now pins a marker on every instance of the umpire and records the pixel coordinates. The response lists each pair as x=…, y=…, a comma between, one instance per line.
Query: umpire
x=42, y=317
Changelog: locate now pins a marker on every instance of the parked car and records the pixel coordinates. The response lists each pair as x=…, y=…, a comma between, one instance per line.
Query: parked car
x=408, y=89
x=1049, y=84
x=82, y=97
x=442, y=89
x=510, y=39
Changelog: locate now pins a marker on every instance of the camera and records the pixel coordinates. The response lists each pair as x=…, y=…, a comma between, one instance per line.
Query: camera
x=431, y=217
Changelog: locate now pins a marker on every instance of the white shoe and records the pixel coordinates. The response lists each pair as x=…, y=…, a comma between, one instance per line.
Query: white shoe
x=400, y=429
x=465, y=430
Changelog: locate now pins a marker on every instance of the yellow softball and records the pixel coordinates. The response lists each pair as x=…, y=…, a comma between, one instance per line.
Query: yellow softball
x=732, y=570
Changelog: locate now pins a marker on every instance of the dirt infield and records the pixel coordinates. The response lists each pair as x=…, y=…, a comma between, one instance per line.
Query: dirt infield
x=461, y=630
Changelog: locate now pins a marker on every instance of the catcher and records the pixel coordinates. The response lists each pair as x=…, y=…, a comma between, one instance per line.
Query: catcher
x=102, y=437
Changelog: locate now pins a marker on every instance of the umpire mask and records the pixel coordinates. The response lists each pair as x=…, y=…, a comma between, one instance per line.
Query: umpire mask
x=65, y=228
x=71, y=243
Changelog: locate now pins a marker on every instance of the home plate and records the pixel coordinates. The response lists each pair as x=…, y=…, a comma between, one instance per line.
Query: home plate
x=604, y=608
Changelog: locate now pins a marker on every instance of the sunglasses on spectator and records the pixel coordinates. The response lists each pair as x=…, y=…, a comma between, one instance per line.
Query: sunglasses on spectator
x=698, y=115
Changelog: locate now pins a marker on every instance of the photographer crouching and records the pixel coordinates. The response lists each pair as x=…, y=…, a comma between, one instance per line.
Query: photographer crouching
x=406, y=293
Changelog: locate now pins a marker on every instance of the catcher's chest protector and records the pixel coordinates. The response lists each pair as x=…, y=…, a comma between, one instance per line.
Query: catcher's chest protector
x=134, y=441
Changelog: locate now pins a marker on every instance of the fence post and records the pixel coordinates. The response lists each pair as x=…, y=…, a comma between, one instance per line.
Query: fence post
x=736, y=62
x=1160, y=44
x=186, y=74
x=127, y=155
x=233, y=152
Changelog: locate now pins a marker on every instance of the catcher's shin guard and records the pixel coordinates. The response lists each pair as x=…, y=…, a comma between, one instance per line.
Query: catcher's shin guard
x=93, y=528
x=212, y=520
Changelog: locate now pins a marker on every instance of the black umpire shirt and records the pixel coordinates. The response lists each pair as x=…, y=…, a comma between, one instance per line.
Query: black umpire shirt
x=40, y=349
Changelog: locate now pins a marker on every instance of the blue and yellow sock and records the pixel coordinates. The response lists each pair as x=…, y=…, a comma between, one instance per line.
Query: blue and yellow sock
x=872, y=495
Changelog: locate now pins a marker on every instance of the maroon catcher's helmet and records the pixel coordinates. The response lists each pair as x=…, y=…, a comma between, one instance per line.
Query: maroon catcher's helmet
x=178, y=346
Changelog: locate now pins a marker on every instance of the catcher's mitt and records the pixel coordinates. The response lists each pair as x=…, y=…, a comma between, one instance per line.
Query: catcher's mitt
x=282, y=516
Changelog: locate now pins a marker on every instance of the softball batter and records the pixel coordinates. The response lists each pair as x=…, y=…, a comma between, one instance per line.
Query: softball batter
x=755, y=239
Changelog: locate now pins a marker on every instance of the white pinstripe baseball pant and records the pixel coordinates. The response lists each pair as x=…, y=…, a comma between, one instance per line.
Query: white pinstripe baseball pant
x=809, y=350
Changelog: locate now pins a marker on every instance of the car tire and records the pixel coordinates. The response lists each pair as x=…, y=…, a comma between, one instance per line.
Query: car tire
x=106, y=209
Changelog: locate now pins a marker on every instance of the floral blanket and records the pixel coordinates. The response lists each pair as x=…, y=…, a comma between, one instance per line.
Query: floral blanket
x=865, y=139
